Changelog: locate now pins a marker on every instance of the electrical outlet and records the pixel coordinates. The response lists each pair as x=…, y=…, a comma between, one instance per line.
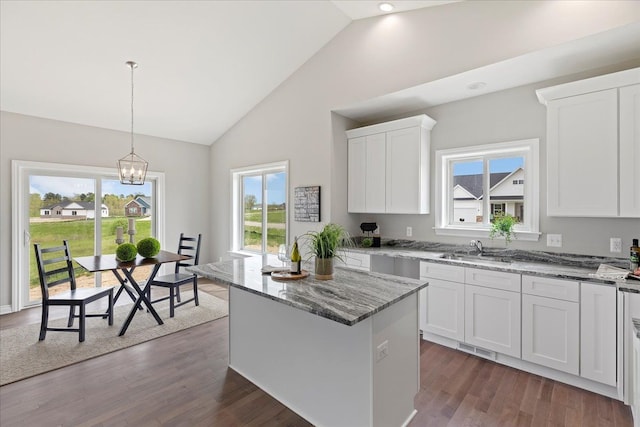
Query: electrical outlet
x=409, y=231
x=615, y=245
x=382, y=350
x=554, y=240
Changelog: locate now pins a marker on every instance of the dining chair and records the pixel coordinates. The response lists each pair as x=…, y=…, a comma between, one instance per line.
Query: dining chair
x=55, y=268
x=188, y=246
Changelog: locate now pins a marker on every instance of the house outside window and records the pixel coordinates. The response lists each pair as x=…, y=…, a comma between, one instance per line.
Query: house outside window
x=473, y=184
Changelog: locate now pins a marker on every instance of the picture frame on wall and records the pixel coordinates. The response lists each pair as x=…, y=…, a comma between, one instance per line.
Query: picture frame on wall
x=306, y=206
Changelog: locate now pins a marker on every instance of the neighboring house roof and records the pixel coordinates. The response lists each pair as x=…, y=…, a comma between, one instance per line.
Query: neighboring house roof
x=141, y=201
x=144, y=201
x=89, y=206
x=473, y=183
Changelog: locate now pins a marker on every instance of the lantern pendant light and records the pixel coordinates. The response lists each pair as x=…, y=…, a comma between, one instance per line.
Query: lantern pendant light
x=132, y=168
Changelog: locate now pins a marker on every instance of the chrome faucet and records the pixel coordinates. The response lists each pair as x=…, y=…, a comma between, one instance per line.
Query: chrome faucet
x=477, y=244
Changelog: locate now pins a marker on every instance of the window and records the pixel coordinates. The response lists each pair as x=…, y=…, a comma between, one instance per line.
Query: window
x=91, y=229
x=474, y=184
x=259, y=207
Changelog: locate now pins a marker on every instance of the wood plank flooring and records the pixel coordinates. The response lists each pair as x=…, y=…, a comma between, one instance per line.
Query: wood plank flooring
x=183, y=380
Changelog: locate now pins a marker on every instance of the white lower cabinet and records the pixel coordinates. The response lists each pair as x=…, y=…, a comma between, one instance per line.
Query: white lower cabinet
x=551, y=333
x=492, y=319
x=635, y=381
x=551, y=323
x=598, y=319
x=356, y=260
x=443, y=309
x=563, y=329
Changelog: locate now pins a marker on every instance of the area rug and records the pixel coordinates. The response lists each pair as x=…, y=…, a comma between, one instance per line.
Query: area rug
x=23, y=356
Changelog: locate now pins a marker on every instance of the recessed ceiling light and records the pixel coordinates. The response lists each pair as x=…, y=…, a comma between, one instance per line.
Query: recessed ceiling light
x=386, y=7
x=476, y=85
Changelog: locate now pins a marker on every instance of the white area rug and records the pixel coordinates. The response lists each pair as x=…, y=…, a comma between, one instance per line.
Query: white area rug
x=23, y=356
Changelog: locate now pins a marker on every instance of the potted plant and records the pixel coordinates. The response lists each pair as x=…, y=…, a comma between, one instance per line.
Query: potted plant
x=502, y=225
x=325, y=246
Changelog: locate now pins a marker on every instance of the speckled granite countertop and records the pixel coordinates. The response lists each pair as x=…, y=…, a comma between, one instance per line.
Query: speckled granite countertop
x=349, y=298
x=548, y=264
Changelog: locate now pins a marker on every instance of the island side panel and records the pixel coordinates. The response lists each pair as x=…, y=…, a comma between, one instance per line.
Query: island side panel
x=317, y=367
x=396, y=376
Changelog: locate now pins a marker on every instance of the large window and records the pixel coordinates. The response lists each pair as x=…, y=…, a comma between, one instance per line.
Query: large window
x=476, y=184
x=259, y=208
x=84, y=205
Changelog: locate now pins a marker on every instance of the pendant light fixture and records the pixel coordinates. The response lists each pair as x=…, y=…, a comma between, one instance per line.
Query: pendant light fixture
x=132, y=168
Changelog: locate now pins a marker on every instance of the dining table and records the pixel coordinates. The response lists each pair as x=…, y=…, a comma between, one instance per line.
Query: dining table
x=139, y=293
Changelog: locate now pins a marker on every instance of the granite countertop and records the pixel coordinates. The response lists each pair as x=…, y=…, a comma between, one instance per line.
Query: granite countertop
x=349, y=298
x=546, y=264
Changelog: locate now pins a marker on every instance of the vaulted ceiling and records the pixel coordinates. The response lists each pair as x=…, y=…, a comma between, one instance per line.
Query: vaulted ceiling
x=203, y=65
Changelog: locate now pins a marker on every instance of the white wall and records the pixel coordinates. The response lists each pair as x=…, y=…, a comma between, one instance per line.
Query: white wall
x=186, y=168
x=376, y=56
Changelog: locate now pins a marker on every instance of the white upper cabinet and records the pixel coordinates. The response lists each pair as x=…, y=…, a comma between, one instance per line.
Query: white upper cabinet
x=389, y=167
x=593, y=146
x=630, y=151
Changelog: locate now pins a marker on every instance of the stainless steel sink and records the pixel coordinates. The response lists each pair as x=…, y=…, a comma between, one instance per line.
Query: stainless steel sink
x=477, y=258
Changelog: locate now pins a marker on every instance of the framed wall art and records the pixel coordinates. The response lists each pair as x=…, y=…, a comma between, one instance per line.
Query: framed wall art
x=306, y=205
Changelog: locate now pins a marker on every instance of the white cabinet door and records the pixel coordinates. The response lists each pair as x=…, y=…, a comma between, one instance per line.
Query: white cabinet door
x=582, y=155
x=375, y=198
x=357, y=164
x=443, y=308
x=355, y=260
x=550, y=333
x=366, y=174
x=598, y=352
x=407, y=160
x=492, y=319
x=630, y=151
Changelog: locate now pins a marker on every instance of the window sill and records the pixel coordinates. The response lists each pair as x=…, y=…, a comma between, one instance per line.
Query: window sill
x=527, y=236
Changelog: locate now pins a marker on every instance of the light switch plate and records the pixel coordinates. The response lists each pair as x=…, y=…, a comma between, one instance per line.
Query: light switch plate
x=554, y=240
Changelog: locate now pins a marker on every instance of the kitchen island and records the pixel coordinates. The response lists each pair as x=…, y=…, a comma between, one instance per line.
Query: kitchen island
x=341, y=352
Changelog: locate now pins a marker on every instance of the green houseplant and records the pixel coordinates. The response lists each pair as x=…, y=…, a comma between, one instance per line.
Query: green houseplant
x=502, y=225
x=325, y=246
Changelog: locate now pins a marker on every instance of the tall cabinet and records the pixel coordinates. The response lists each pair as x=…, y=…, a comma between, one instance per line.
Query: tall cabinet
x=389, y=167
x=593, y=146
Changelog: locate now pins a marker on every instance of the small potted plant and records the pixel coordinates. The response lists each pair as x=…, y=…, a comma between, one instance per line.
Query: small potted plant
x=502, y=225
x=325, y=246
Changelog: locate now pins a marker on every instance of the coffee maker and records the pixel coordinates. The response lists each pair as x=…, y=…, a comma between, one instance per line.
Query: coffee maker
x=371, y=230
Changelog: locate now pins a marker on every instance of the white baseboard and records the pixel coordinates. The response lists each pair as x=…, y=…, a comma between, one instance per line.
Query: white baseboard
x=5, y=309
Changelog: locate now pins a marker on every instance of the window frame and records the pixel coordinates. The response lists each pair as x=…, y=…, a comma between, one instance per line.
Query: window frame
x=237, y=202
x=527, y=148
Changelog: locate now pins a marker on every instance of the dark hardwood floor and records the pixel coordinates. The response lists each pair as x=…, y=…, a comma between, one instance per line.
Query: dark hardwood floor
x=183, y=380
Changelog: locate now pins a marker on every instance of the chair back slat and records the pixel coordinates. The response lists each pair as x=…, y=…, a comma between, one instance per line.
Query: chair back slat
x=49, y=269
x=192, y=250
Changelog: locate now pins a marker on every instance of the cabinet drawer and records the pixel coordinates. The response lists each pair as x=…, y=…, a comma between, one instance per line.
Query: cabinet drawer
x=357, y=260
x=492, y=279
x=432, y=270
x=565, y=290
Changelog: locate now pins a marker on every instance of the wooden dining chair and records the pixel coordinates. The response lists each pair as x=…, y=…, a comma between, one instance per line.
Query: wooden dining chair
x=55, y=268
x=188, y=246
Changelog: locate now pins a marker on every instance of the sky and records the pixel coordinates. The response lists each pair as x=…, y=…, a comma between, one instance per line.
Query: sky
x=496, y=165
x=275, y=187
x=66, y=186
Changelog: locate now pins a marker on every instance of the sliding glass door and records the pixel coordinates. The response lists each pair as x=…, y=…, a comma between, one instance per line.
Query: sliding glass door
x=83, y=205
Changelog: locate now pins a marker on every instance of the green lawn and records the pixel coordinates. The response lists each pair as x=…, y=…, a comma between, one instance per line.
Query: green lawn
x=275, y=236
x=80, y=236
x=273, y=216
